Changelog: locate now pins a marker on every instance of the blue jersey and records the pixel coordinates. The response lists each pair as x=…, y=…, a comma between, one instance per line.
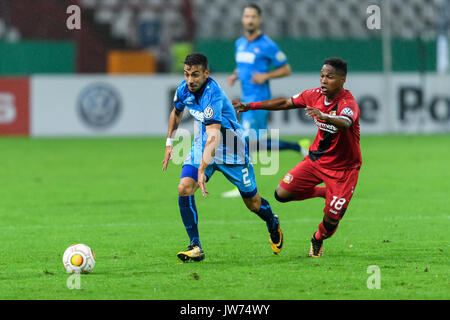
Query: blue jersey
x=211, y=105
x=256, y=56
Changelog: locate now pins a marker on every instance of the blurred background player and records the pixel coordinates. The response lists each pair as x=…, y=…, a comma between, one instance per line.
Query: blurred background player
x=255, y=54
x=334, y=156
x=217, y=122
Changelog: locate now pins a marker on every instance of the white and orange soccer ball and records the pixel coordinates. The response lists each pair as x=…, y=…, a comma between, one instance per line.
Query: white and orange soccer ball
x=79, y=258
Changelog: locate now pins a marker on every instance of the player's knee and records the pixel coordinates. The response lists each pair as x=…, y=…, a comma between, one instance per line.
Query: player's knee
x=253, y=204
x=254, y=207
x=186, y=189
x=280, y=198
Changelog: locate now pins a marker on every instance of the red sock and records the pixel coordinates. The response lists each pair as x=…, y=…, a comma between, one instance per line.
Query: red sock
x=325, y=230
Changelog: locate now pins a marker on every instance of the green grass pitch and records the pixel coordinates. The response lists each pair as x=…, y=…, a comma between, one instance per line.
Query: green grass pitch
x=112, y=195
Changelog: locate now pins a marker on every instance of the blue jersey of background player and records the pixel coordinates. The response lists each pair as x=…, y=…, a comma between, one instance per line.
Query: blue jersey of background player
x=212, y=151
x=255, y=55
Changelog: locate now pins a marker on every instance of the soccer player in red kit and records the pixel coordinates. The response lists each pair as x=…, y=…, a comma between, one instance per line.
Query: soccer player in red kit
x=334, y=156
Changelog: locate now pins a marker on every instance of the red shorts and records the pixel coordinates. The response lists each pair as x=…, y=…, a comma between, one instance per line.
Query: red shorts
x=339, y=185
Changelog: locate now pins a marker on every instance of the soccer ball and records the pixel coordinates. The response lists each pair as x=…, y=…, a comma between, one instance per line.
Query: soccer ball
x=79, y=258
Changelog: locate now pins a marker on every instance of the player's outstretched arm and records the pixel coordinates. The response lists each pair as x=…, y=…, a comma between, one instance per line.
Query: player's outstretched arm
x=174, y=122
x=271, y=105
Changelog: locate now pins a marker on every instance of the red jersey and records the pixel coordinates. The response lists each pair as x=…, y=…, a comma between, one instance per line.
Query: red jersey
x=332, y=148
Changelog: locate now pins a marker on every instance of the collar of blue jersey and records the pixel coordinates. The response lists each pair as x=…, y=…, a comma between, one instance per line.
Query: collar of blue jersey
x=258, y=37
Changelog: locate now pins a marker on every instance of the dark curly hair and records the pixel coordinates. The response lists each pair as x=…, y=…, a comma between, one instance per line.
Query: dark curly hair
x=196, y=59
x=338, y=64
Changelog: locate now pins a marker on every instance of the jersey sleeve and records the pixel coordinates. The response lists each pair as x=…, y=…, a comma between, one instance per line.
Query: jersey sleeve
x=349, y=109
x=214, y=105
x=303, y=99
x=276, y=56
x=178, y=100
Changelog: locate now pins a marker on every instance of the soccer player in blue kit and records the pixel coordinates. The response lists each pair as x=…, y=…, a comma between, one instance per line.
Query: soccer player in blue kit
x=219, y=145
x=255, y=54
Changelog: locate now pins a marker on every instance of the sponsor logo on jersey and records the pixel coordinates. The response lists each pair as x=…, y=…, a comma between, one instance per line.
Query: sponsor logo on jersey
x=288, y=178
x=208, y=113
x=198, y=115
x=325, y=126
x=245, y=57
x=347, y=112
x=188, y=101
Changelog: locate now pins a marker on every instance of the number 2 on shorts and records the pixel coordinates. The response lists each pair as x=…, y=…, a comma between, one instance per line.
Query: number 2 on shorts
x=245, y=178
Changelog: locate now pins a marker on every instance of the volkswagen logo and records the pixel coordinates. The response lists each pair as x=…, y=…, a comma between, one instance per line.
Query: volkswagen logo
x=99, y=105
x=208, y=113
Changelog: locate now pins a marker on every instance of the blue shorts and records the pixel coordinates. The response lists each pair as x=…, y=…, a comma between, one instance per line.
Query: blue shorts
x=241, y=175
x=253, y=121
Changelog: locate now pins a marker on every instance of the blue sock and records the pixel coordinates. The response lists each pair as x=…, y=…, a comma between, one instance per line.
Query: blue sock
x=265, y=213
x=189, y=216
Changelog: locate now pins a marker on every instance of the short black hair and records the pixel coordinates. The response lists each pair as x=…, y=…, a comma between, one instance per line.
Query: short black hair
x=196, y=59
x=254, y=6
x=338, y=64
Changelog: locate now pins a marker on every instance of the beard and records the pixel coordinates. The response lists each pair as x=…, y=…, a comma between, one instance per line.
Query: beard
x=252, y=29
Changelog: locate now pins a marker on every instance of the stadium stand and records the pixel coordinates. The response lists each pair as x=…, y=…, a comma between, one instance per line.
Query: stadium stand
x=159, y=25
x=298, y=18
